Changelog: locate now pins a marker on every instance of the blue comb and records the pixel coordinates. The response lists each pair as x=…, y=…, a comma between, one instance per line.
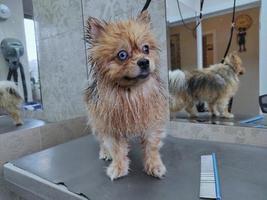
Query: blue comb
x=209, y=178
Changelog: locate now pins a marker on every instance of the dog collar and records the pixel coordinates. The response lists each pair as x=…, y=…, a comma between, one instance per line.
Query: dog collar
x=231, y=66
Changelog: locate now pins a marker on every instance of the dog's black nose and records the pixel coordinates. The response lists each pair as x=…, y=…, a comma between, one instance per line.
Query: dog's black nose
x=143, y=63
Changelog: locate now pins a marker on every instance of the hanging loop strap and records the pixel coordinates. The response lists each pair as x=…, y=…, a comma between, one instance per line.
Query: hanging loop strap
x=200, y=14
x=201, y=8
x=231, y=33
x=146, y=5
x=199, y=18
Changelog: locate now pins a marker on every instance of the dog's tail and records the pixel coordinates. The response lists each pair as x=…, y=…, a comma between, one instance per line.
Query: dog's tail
x=177, y=82
x=11, y=88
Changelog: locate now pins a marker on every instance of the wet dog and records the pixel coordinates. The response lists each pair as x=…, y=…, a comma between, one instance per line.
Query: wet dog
x=125, y=96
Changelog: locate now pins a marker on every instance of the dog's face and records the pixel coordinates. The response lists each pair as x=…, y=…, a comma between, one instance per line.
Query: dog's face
x=236, y=62
x=123, y=53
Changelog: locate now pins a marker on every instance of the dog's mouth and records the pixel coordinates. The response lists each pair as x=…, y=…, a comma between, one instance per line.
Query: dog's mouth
x=141, y=76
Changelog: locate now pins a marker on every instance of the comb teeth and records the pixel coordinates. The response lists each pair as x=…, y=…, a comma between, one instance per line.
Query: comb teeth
x=209, y=187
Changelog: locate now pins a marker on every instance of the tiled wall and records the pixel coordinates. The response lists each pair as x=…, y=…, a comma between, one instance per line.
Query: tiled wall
x=61, y=49
x=62, y=59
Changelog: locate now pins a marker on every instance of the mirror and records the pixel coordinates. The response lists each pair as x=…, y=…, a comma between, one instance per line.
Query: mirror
x=201, y=88
x=18, y=60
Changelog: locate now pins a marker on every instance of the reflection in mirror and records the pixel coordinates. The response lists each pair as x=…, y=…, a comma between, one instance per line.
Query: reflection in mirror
x=203, y=88
x=19, y=75
x=32, y=59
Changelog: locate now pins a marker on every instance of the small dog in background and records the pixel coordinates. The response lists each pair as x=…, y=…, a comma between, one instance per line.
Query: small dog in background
x=214, y=85
x=126, y=97
x=10, y=100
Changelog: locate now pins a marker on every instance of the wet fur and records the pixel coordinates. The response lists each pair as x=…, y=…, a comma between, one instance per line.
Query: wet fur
x=10, y=100
x=214, y=85
x=118, y=108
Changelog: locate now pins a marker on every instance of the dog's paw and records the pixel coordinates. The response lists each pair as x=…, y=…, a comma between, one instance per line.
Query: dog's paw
x=195, y=115
x=216, y=114
x=117, y=170
x=19, y=123
x=210, y=114
x=156, y=169
x=228, y=115
x=104, y=155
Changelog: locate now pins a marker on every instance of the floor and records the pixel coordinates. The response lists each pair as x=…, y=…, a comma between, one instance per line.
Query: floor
x=7, y=125
x=207, y=119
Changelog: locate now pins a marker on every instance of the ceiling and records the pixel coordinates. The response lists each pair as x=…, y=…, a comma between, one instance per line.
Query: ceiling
x=190, y=8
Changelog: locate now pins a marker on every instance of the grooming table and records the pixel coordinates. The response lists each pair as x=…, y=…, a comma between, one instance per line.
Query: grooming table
x=238, y=120
x=258, y=121
x=73, y=171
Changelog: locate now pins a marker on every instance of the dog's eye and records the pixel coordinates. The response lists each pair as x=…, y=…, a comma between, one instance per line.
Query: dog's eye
x=122, y=55
x=145, y=49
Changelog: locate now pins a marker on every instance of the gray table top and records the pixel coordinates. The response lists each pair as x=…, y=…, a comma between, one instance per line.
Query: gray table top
x=242, y=169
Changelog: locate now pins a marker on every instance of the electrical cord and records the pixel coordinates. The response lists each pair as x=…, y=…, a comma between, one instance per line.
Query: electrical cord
x=146, y=5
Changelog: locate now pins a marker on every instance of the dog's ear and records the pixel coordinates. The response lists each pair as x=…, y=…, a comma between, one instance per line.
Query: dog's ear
x=94, y=28
x=232, y=56
x=234, y=53
x=144, y=17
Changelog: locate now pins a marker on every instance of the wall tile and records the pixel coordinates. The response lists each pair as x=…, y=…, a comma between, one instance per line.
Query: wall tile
x=56, y=17
x=63, y=75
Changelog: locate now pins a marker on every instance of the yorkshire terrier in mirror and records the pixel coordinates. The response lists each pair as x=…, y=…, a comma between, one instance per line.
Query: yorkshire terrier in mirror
x=10, y=101
x=214, y=85
x=126, y=96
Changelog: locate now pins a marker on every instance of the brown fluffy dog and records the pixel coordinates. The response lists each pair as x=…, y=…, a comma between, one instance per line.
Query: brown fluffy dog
x=214, y=85
x=126, y=96
x=10, y=100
